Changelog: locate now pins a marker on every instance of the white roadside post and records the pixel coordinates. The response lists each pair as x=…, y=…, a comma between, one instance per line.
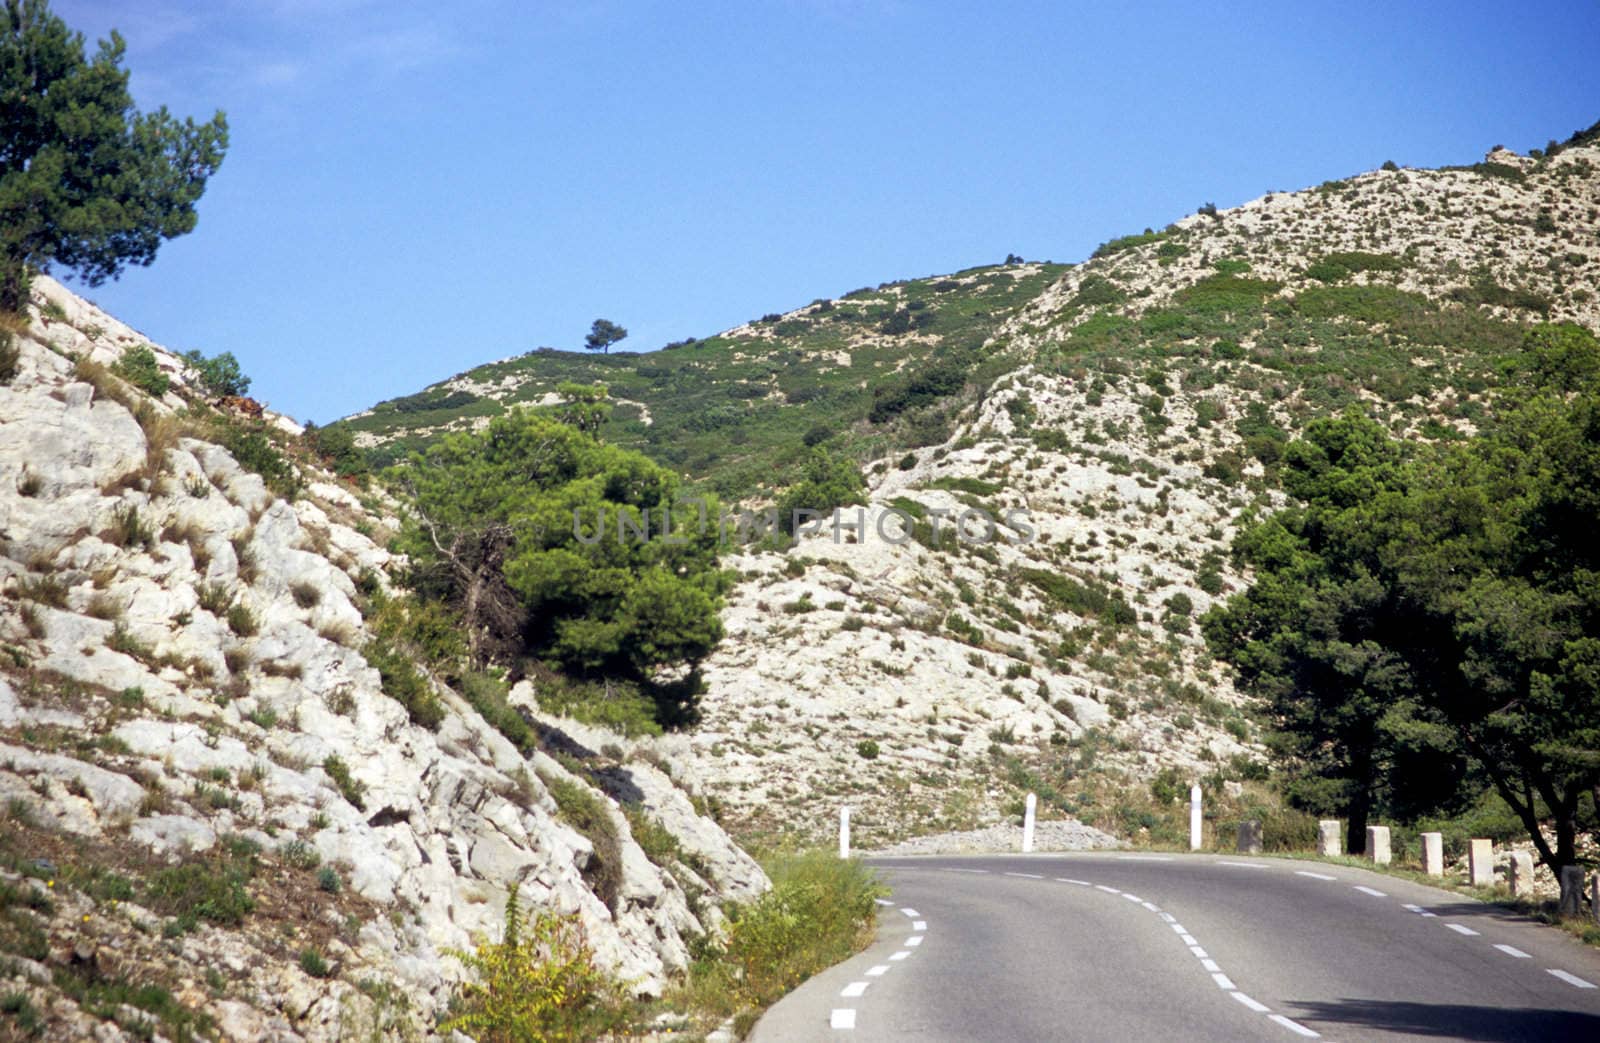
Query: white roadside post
x=844, y=832
x=1194, y=817
x=1027, y=824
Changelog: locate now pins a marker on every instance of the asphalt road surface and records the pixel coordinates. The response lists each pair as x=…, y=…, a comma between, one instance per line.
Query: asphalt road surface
x=1120, y=946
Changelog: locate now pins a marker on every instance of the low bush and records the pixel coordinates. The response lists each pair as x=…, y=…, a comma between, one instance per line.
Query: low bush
x=586, y=812
x=138, y=366
x=404, y=683
x=538, y=982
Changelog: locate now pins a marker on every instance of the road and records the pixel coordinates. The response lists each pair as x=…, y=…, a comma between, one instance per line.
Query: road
x=1121, y=946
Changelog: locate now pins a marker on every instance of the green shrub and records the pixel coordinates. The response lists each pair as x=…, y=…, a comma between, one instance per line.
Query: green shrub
x=10, y=357
x=255, y=452
x=586, y=812
x=242, y=621
x=349, y=786
x=820, y=910
x=329, y=880
x=213, y=891
x=867, y=749
x=1128, y=242
x=539, y=982
x=404, y=683
x=314, y=963
x=1336, y=266
x=138, y=366
x=220, y=375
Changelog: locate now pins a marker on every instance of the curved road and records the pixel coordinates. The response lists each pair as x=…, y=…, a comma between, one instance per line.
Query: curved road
x=1120, y=946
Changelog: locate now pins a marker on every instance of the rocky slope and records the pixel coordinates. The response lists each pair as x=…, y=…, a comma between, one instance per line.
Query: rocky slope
x=203, y=780
x=927, y=683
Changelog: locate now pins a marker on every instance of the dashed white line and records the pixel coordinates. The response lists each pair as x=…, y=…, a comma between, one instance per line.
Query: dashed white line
x=1177, y=928
x=1145, y=858
x=912, y=913
x=843, y=1018
x=1168, y=917
x=919, y=925
x=1255, y=1005
x=913, y=941
x=1460, y=929
x=1107, y=890
x=1223, y=981
x=956, y=870
x=883, y=901
x=879, y=971
x=1199, y=952
x=1295, y=1026
x=1027, y=876
x=1135, y=899
x=902, y=954
x=1512, y=950
x=1245, y=865
x=1154, y=908
x=1069, y=880
x=854, y=989
x=1373, y=891
x=1210, y=965
x=1570, y=979
x=1314, y=876
x=1188, y=939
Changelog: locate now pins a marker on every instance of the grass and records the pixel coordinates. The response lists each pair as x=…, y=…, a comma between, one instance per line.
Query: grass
x=350, y=788
x=586, y=812
x=404, y=683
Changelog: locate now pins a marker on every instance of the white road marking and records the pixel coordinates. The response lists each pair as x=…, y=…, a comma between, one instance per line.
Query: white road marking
x=855, y=989
x=953, y=870
x=1431, y=916
x=1107, y=890
x=919, y=925
x=1145, y=858
x=1069, y=880
x=913, y=941
x=1314, y=876
x=1188, y=939
x=1177, y=928
x=1411, y=908
x=1132, y=898
x=883, y=901
x=1223, y=981
x=1027, y=876
x=1571, y=979
x=1255, y=1005
x=1199, y=952
x=1373, y=891
x=1245, y=865
x=1459, y=929
x=902, y=954
x=843, y=1019
x=912, y=913
x=1295, y=1026
x=1210, y=965
x=879, y=971
x=1154, y=908
x=1512, y=950
x=1169, y=917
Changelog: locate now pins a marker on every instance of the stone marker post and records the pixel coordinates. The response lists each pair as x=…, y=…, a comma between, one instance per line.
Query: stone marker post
x=1594, y=896
x=1378, y=845
x=1328, y=845
x=1250, y=837
x=1571, y=890
x=844, y=832
x=1480, y=862
x=1521, y=873
x=1433, y=854
x=1027, y=824
x=1194, y=817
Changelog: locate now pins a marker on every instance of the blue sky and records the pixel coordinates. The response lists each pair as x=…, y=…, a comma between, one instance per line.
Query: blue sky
x=415, y=188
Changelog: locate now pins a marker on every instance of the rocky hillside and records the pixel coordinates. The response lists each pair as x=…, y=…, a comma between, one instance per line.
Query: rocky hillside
x=927, y=682
x=218, y=815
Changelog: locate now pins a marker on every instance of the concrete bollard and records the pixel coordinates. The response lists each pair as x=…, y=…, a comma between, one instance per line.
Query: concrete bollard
x=1027, y=824
x=1521, y=874
x=1250, y=837
x=1328, y=845
x=1378, y=845
x=844, y=832
x=1571, y=890
x=1194, y=817
x=1480, y=862
x=1433, y=854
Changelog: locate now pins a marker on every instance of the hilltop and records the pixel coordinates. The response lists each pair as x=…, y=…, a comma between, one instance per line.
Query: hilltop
x=1135, y=407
